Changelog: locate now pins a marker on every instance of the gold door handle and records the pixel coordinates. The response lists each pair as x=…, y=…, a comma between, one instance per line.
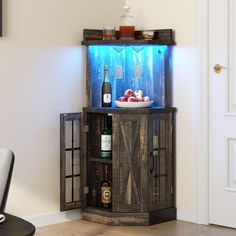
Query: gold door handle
x=217, y=68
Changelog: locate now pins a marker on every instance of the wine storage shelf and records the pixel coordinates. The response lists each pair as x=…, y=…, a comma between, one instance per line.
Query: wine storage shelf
x=106, y=161
x=142, y=168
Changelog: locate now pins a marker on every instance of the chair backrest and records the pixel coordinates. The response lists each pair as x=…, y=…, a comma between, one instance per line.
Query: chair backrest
x=6, y=167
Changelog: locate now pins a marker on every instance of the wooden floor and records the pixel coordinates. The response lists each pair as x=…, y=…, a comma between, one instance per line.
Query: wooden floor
x=171, y=228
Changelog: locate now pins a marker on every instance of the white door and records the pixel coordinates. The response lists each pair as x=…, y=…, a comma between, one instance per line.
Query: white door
x=222, y=112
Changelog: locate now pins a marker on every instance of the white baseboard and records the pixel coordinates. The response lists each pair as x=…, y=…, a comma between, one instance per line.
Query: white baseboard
x=54, y=218
x=186, y=215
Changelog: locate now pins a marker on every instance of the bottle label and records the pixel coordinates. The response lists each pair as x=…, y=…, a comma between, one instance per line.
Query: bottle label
x=106, y=142
x=106, y=194
x=107, y=98
x=155, y=141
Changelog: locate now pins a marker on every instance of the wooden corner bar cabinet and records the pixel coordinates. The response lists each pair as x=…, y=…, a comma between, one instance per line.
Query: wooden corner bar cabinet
x=142, y=167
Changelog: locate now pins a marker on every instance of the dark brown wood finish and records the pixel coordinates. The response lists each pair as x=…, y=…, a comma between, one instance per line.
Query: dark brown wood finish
x=129, y=138
x=173, y=156
x=115, y=218
x=132, y=166
x=152, y=110
x=127, y=42
x=128, y=172
x=95, y=37
x=142, y=168
x=88, y=80
x=119, y=218
x=84, y=163
x=160, y=162
x=16, y=226
x=168, y=79
x=132, y=179
x=70, y=152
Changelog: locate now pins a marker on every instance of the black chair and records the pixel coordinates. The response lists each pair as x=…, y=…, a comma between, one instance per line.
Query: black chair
x=13, y=225
x=6, y=166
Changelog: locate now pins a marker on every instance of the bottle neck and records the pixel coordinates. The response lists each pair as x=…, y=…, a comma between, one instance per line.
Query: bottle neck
x=105, y=123
x=127, y=18
x=106, y=79
x=105, y=172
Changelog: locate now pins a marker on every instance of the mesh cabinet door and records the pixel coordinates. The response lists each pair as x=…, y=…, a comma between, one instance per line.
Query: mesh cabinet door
x=70, y=161
x=160, y=162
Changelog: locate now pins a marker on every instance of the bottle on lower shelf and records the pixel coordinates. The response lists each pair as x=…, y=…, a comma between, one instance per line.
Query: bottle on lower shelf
x=106, y=192
x=106, y=152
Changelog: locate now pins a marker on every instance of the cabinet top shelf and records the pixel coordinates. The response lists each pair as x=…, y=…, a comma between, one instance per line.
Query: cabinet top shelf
x=127, y=42
x=130, y=110
x=161, y=37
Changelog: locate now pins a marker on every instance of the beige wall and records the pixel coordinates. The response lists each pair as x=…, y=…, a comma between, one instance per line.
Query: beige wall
x=42, y=74
x=181, y=16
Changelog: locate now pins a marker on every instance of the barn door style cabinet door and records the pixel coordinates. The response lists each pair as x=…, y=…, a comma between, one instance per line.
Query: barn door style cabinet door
x=142, y=167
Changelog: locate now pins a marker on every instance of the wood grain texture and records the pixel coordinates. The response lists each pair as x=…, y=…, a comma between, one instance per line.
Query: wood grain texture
x=161, y=36
x=127, y=218
x=114, y=110
x=132, y=182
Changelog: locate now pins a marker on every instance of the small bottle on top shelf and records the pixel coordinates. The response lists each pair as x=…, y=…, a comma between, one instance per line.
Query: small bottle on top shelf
x=127, y=28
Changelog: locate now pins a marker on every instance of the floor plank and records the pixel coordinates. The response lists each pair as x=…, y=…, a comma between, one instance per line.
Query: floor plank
x=171, y=228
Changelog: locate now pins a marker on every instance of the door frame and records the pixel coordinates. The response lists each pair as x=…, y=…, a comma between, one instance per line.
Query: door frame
x=202, y=111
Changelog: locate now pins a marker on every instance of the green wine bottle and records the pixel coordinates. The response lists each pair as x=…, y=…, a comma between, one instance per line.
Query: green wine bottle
x=106, y=140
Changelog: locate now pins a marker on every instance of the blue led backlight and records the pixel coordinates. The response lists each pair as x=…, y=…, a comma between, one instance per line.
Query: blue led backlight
x=130, y=66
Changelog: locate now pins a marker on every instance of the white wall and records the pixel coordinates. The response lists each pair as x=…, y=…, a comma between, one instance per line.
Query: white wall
x=181, y=16
x=42, y=73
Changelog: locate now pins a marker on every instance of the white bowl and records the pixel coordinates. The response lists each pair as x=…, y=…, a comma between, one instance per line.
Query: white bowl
x=149, y=34
x=133, y=104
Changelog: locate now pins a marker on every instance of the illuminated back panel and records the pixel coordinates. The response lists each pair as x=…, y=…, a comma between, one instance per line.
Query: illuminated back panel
x=144, y=67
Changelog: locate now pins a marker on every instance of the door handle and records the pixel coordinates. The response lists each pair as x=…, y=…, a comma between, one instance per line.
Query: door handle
x=152, y=162
x=217, y=68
